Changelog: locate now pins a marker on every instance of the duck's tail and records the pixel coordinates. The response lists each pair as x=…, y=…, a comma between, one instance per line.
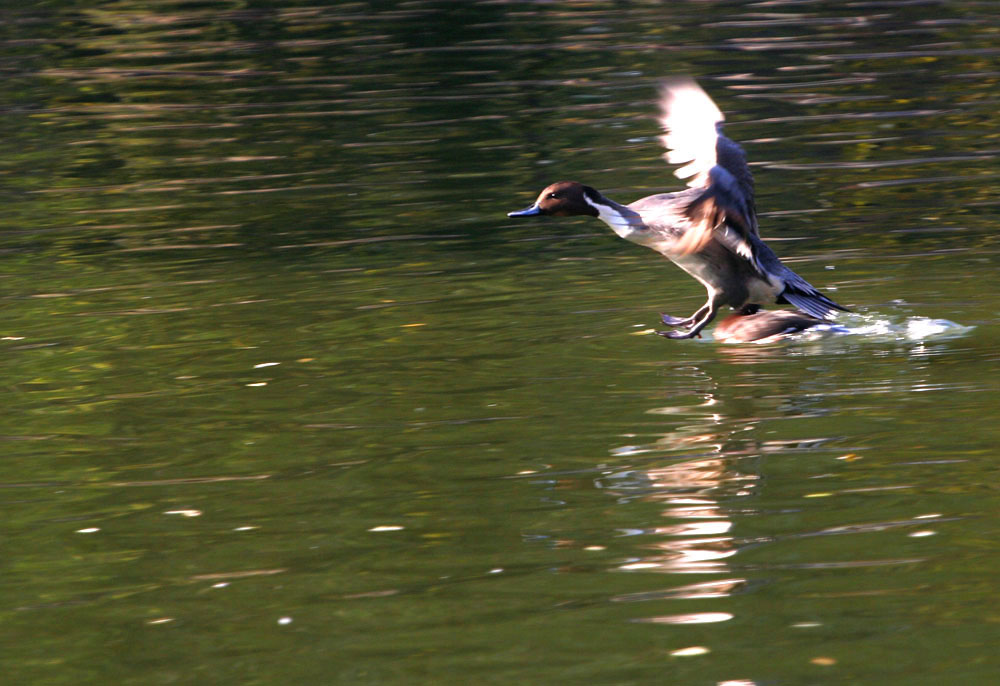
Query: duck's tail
x=809, y=300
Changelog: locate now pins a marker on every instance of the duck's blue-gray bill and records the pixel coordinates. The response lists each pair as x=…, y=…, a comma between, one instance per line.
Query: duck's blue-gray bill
x=529, y=212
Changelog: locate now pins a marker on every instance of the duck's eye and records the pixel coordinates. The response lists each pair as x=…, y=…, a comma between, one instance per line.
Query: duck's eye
x=553, y=196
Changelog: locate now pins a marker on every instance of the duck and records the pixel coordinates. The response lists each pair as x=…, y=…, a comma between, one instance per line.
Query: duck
x=754, y=325
x=709, y=229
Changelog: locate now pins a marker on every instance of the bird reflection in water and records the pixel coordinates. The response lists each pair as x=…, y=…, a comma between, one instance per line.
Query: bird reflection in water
x=700, y=538
x=703, y=470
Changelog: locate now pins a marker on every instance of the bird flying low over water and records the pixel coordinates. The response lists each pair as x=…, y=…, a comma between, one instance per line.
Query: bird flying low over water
x=709, y=229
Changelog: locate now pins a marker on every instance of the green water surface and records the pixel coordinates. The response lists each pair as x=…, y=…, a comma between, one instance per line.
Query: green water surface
x=289, y=399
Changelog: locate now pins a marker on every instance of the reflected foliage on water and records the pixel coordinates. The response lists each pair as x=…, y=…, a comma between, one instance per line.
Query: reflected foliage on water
x=290, y=398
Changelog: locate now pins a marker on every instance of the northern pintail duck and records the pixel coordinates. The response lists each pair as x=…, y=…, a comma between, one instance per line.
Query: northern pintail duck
x=709, y=229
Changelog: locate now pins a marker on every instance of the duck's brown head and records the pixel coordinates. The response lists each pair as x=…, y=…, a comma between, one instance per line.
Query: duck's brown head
x=563, y=199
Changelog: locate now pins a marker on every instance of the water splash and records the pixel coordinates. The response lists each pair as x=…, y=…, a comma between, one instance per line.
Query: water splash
x=873, y=327
x=883, y=328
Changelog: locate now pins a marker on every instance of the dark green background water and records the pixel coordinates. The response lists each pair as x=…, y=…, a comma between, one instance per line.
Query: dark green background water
x=288, y=399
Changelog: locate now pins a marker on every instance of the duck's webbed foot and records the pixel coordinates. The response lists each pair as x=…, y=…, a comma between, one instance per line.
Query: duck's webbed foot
x=694, y=324
x=679, y=334
x=676, y=321
x=687, y=322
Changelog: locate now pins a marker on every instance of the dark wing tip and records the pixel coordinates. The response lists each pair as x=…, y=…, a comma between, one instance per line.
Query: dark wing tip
x=816, y=304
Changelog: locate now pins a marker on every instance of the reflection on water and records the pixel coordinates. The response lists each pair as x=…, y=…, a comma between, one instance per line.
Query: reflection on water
x=697, y=496
x=701, y=540
x=708, y=503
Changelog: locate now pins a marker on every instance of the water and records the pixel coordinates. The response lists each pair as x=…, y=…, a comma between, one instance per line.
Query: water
x=290, y=399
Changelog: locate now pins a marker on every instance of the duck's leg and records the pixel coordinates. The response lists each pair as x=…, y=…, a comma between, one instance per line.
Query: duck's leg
x=707, y=314
x=676, y=321
x=687, y=321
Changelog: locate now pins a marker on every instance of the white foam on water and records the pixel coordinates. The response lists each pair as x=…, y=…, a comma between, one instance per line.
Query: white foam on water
x=883, y=328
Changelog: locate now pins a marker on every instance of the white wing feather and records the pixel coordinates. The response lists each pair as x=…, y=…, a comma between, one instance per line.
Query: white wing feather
x=689, y=118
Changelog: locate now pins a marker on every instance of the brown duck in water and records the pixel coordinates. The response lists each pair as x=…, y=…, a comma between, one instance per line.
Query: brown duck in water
x=753, y=325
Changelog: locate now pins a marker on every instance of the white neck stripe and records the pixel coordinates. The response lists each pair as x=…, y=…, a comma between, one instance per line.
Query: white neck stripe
x=620, y=224
x=608, y=215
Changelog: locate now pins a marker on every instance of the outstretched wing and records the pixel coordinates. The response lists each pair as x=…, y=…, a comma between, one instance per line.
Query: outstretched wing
x=693, y=137
x=689, y=119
